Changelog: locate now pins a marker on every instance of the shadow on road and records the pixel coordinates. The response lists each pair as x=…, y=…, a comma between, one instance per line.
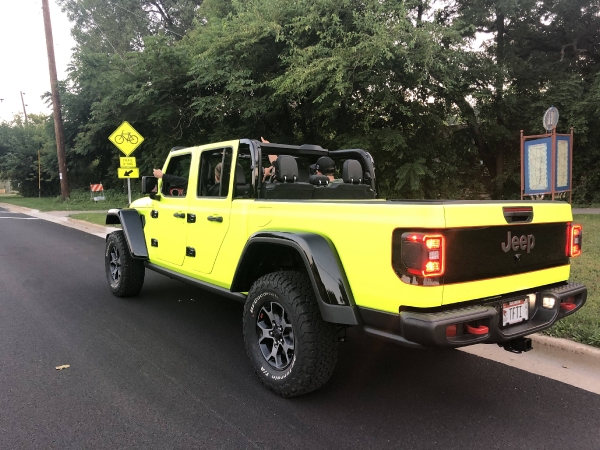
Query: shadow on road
x=382, y=395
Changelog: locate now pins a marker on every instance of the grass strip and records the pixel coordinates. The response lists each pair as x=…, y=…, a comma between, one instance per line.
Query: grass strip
x=80, y=201
x=584, y=326
x=92, y=217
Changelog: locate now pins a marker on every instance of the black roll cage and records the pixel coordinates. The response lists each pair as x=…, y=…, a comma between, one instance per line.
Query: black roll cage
x=256, y=151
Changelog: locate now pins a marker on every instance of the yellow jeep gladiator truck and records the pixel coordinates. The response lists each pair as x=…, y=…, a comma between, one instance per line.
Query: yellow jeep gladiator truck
x=299, y=235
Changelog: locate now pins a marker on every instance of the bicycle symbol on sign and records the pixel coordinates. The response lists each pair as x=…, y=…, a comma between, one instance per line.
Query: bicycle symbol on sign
x=129, y=137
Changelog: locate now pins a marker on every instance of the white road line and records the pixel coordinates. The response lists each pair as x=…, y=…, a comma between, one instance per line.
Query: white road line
x=20, y=218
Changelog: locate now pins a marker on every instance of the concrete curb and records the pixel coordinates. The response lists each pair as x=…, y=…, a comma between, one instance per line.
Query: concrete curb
x=566, y=345
x=62, y=218
x=102, y=231
x=15, y=208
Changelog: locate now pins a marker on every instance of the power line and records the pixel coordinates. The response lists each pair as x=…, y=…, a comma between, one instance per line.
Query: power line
x=141, y=17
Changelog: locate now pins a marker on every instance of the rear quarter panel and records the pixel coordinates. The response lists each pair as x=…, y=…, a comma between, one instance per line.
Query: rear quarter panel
x=361, y=233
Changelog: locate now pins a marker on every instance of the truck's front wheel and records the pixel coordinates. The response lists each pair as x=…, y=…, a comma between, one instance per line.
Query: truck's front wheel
x=293, y=351
x=124, y=273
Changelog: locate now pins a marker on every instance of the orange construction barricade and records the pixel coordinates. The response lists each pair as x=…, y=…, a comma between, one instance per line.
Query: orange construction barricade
x=98, y=189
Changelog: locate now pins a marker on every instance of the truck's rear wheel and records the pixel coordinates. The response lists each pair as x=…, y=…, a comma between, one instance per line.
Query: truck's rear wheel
x=293, y=351
x=125, y=274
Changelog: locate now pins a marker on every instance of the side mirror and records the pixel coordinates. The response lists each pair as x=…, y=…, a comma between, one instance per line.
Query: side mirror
x=149, y=184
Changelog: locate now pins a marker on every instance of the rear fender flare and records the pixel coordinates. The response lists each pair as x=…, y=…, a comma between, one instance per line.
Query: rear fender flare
x=133, y=227
x=322, y=264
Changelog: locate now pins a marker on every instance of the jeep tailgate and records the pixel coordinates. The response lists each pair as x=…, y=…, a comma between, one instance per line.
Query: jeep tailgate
x=494, y=248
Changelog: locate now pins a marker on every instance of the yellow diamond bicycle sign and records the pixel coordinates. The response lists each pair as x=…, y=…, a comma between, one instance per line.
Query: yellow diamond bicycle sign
x=126, y=138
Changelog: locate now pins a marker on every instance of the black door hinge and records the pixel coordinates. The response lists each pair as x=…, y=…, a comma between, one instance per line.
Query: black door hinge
x=191, y=218
x=154, y=214
x=153, y=242
x=189, y=251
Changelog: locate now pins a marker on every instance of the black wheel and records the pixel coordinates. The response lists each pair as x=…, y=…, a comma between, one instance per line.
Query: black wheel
x=125, y=274
x=293, y=351
x=119, y=139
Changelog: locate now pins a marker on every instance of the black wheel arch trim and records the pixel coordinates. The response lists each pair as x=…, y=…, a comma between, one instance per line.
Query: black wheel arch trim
x=133, y=228
x=323, y=265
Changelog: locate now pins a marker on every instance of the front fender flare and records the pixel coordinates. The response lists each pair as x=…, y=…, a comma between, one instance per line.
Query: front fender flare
x=133, y=228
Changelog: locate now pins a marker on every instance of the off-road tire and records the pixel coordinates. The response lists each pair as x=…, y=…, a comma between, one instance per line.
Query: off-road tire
x=125, y=274
x=315, y=343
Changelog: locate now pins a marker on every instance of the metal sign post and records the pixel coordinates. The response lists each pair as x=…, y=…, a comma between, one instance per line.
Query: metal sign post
x=547, y=161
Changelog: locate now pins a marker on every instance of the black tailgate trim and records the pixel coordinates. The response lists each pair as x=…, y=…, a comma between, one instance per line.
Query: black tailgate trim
x=477, y=253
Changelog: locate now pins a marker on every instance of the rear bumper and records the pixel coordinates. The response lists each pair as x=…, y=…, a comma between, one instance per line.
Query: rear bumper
x=429, y=327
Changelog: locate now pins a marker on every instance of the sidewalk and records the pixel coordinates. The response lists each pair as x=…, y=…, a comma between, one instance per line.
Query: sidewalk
x=62, y=218
x=559, y=359
x=586, y=210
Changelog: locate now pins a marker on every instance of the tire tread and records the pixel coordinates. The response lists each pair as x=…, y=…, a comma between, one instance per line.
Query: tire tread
x=132, y=270
x=316, y=362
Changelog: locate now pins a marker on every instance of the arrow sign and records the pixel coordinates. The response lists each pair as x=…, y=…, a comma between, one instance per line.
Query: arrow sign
x=132, y=172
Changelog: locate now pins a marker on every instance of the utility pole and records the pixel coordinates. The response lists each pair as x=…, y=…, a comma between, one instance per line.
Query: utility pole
x=58, y=125
x=24, y=111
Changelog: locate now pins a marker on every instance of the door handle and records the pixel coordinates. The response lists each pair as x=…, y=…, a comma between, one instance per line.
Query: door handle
x=179, y=215
x=215, y=218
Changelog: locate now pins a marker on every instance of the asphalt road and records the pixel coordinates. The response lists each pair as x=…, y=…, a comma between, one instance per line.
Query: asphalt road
x=168, y=369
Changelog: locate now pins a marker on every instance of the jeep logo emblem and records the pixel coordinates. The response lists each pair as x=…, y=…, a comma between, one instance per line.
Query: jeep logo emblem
x=518, y=243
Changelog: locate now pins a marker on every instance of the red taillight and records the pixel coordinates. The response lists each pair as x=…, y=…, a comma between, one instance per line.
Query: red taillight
x=574, y=240
x=423, y=254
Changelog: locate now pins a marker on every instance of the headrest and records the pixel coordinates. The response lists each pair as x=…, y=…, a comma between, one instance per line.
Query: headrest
x=352, y=171
x=319, y=180
x=240, y=178
x=286, y=169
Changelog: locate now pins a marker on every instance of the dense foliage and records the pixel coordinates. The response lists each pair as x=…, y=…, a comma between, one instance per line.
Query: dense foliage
x=410, y=81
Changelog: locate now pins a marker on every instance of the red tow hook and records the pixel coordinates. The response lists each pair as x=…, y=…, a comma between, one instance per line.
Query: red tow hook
x=568, y=306
x=480, y=330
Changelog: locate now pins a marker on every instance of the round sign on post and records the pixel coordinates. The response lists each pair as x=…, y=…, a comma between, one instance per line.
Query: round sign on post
x=550, y=118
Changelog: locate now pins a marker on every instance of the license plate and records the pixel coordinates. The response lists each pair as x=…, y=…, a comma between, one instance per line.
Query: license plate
x=515, y=312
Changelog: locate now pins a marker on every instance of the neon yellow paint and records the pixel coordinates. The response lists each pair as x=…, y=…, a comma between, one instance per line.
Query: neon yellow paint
x=360, y=231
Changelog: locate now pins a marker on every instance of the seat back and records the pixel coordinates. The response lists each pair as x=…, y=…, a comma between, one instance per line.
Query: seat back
x=350, y=189
x=286, y=185
x=303, y=175
x=242, y=188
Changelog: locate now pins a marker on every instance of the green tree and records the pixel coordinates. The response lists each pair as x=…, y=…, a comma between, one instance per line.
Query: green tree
x=398, y=78
x=20, y=147
x=540, y=54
